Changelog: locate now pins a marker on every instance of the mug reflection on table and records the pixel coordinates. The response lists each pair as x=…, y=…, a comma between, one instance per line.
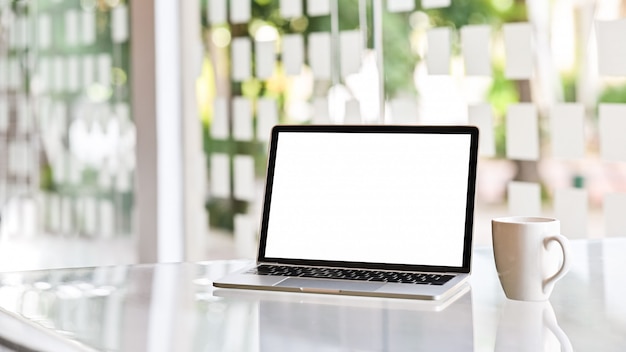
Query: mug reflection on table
x=530, y=327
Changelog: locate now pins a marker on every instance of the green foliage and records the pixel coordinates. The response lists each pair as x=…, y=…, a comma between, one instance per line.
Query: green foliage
x=464, y=12
x=46, y=178
x=568, y=83
x=613, y=94
x=502, y=94
x=398, y=58
x=509, y=11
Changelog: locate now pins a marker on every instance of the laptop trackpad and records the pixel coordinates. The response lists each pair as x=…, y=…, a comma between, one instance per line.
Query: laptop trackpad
x=329, y=285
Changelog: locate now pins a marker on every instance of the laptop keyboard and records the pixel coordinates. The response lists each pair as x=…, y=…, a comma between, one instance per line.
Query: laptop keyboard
x=352, y=274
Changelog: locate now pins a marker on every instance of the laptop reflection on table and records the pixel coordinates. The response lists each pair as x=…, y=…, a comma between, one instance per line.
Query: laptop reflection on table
x=310, y=322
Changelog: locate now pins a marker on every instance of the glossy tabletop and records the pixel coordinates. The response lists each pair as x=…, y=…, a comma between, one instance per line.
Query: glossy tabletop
x=173, y=307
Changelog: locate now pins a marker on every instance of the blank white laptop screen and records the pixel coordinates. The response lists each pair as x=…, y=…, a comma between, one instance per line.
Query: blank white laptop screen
x=397, y=198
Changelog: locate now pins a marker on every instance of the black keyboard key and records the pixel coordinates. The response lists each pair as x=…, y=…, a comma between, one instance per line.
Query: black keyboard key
x=352, y=274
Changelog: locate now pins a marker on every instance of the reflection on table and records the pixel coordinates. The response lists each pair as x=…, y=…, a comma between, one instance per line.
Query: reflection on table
x=530, y=326
x=174, y=307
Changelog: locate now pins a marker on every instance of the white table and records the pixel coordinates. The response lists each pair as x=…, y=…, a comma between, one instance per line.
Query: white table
x=173, y=307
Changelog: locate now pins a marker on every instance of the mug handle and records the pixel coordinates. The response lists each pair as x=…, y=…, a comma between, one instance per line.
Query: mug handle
x=564, y=243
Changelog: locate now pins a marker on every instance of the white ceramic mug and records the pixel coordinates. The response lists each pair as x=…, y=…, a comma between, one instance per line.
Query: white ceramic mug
x=527, y=267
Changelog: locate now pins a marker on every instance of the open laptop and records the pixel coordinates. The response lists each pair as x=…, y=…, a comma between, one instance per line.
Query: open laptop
x=366, y=210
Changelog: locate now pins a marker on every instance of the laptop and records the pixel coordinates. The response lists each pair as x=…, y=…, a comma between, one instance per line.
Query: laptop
x=376, y=210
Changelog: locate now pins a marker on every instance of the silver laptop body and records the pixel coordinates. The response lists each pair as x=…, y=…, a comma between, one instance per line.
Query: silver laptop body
x=394, y=200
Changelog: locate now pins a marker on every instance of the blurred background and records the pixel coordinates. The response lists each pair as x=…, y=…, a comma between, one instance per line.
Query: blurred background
x=136, y=131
